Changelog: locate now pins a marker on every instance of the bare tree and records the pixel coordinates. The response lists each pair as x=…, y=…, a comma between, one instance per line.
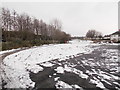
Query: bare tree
x=28, y=23
x=98, y=34
x=36, y=26
x=56, y=24
x=14, y=19
x=9, y=20
x=1, y=19
x=43, y=28
x=4, y=19
x=20, y=20
x=31, y=26
x=93, y=34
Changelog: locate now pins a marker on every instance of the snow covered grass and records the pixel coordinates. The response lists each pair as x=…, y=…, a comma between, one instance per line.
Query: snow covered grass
x=7, y=51
x=18, y=65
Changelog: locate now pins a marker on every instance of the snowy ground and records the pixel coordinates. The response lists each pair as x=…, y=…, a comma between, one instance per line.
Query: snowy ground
x=94, y=64
x=17, y=66
x=7, y=51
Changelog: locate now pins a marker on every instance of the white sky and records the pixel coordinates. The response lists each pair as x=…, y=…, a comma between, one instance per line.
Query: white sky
x=77, y=17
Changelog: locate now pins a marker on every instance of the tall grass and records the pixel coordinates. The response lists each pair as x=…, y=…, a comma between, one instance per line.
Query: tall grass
x=19, y=44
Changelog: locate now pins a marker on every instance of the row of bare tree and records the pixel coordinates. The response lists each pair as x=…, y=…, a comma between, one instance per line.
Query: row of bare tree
x=12, y=21
x=93, y=34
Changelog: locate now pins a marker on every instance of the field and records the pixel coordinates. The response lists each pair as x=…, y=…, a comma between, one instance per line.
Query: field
x=77, y=64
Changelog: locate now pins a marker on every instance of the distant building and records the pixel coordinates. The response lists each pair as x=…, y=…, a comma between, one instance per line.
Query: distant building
x=106, y=37
x=115, y=37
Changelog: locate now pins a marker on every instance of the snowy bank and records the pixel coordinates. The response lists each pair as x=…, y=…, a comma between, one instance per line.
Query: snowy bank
x=18, y=65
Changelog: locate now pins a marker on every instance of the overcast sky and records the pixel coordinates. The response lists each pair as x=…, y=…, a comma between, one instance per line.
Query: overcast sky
x=76, y=17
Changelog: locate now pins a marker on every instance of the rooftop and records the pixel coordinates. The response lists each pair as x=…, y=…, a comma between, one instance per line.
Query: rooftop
x=116, y=33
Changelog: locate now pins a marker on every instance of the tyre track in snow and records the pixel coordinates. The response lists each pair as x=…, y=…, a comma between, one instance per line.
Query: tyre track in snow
x=86, y=71
x=2, y=71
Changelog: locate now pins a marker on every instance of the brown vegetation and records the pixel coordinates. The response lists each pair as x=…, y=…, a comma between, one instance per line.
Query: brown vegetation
x=20, y=30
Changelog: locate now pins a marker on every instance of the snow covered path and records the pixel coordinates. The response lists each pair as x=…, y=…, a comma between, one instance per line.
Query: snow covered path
x=99, y=70
x=17, y=66
x=78, y=64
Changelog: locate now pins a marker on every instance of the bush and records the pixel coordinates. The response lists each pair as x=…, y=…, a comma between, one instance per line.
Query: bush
x=17, y=39
x=19, y=43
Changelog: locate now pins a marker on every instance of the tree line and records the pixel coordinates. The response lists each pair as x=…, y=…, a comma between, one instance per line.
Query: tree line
x=24, y=28
x=92, y=34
